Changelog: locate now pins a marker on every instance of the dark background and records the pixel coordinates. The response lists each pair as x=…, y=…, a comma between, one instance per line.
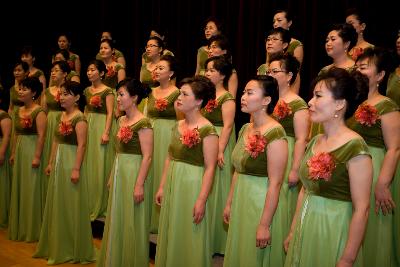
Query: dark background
x=246, y=24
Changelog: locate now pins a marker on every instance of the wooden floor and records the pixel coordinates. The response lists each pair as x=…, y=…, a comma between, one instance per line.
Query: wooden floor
x=19, y=254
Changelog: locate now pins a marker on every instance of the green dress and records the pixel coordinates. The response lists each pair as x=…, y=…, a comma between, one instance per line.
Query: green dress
x=126, y=234
x=53, y=111
x=111, y=77
x=323, y=221
x=202, y=55
x=98, y=157
x=291, y=193
x=292, y=46
x=317, y=128
x=5, y=181
x=117, y=54
x=66, y=234
x=247, y=207
x=164, y=52
x=163, y=122
x=222, y=178
x=378, y=241
x=180, y=242
x=147, y=79
x=393, y=87
x=26, y=206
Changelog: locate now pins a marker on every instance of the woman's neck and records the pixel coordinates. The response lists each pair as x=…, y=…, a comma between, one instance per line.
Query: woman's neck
x=192, y=118
x=260, y=118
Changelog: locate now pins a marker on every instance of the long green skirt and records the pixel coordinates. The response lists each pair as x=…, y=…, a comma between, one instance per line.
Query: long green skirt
x=162, y=137
x=50, y=127
x=126, y=234
x=26, y=204
x=5, y=190
x=98, y=160
x=66, y=234
x=246, y=210
x=321, y=233
x=378, y=241
x=396, y=221
x=180, y=242
x=218, y=195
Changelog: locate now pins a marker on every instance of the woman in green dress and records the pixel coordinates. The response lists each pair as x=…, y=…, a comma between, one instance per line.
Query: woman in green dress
x=340, y=39
x=27, y=206
x=74, y=62
x=117, y=56
x=377, y=120
x=212, y=27
x=256, y=221
x=336, y=173
x=221, y=113
x=66, y=234
x=28, y=55
x=50, y=102
x=283, y=18
x=115, y=71
x=5, y=172
x=99, y=147
x=125, y=239
x=161, y=110
x=292, y=112
x=21, y=71
x=184, y=233
x=393, y=87
x=63, y=55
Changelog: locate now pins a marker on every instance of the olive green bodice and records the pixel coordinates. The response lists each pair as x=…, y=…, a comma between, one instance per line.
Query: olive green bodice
x=133, y=145
x=168, y=113
x=103, y=94
x=51, y=102
x=244, y=163
x=215, y=116
x=3, y=115
x=70, y=138
x=338, y=186
x=19, y=126
x=287, y=122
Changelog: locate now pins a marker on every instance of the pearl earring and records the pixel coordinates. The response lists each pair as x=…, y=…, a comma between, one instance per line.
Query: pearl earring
x=336, y=116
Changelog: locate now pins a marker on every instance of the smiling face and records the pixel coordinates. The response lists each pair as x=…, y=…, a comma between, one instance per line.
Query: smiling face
x=25, y=94
x=210, y=30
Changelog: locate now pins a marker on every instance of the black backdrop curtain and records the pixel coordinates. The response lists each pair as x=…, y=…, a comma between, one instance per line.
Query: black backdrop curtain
x=246, y=23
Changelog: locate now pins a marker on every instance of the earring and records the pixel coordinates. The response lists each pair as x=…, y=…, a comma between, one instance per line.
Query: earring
x=169, y=78
x=336, y=115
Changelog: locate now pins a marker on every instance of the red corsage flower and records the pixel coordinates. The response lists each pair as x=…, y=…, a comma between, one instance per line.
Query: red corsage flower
x=191, y=138
x=321, y=166
x=26, y=122
x=65, y=128
x=125, y=134
x=211, y=105
x=161, y=104
x=366, y=115
x=110, y=71
x=282, y=110
x=57, y=96
x=357, y=51
x=95, y=101
x=255, y=144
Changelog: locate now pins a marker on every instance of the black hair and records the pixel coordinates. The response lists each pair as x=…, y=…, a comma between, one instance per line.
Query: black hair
x=202, y=87
x=223, y=66
x=288, y=15
x=100, y=66
x=218, y=23
x=173, y=64
x=23, y=64
x=384, y=60
x=34, y=84
x=352, y=87
x=64, y=66
x=75, y=88
x=63, y=52
x=160, y=42
x=288, y=62
x=285, y=35
x=28, y=50
x=347, y=33
x=135, y=88
x=357, y=13
x=269, y=86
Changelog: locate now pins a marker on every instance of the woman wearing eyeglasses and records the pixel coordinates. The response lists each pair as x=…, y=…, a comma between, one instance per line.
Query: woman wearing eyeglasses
x=292, y=112
x=277, y=42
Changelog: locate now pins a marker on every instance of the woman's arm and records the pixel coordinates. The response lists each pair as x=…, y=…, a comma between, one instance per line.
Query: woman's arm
x=41, y=122
x=160, y=192
x=391, y=136
x=110, y=110
x=121, y=74
x=146, y=146
x=77, y=64
x=43, y=101
x=360, y=176
x=5, y=125
x=233, y=84
x=81, y=129
x=210, y=142
x=277, y=154
x=228, y=116
x=301, y=124
x=227, y=210
x=122, y=61
x=42, y=79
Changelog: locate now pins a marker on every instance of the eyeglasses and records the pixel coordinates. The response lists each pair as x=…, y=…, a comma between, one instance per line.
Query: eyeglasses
x=269, y=39
x=150, y=46
x=274, y=71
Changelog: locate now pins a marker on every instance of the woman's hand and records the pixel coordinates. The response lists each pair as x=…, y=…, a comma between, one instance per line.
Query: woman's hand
x=159, y=196
x=138, y=193
x=263, y=236
x=35, y=162
x=198, y=211
x=105, y=138
x=75, y=176
x=383, y=199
